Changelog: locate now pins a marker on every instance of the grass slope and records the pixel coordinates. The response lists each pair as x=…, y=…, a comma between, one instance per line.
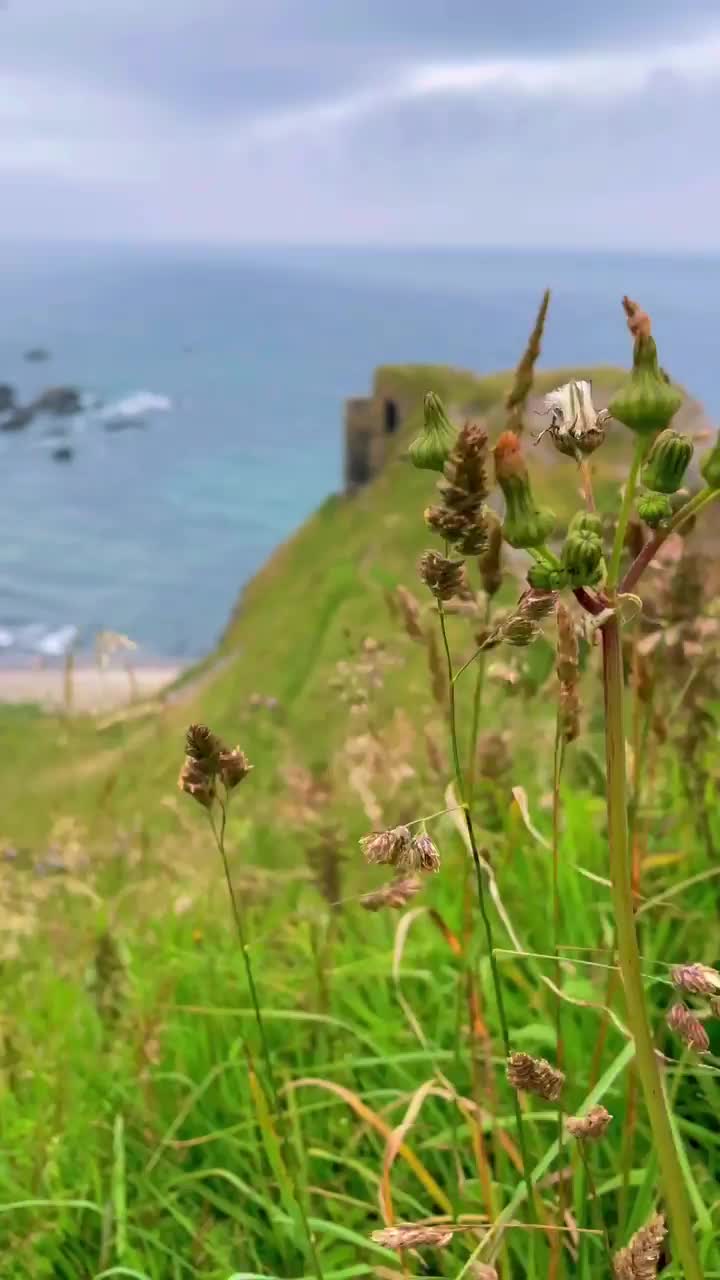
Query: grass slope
x=133, y=1137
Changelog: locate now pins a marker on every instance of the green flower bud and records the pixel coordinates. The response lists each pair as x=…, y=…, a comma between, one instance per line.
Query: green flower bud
x=582, y=556
x=525, y=525
x=647, y=401
x=654, y=509
x=710, y=467
x=430, y=450
x=586, y=522
x=543, y=577
x=667, y=462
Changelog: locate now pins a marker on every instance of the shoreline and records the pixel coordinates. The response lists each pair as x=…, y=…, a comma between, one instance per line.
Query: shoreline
x=85, y=687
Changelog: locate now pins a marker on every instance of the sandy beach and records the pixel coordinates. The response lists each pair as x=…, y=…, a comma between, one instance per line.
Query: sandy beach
x=90, y=689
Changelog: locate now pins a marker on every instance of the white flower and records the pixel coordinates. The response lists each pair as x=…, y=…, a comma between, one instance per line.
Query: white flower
x=575, y=425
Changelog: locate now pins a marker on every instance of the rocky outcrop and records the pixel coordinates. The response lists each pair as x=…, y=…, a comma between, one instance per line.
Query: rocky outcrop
x=62, y=402
x=56, y=402
x=8, y=400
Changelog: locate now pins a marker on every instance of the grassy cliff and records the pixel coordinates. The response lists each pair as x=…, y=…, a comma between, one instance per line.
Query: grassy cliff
x=136, y=1135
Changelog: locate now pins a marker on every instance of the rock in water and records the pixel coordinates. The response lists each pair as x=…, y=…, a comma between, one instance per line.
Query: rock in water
x=35, y=355
x=8, y=400
x=63, y=453
x=61, y=401
x=18, y=419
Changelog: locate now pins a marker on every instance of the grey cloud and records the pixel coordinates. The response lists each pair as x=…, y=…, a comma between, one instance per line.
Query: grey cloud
x=125, y=118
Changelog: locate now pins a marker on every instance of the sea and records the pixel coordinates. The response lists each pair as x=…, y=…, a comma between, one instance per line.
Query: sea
x=212, y=384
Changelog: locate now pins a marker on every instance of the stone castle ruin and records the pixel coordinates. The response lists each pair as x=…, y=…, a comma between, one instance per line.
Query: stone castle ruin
x=370, y=424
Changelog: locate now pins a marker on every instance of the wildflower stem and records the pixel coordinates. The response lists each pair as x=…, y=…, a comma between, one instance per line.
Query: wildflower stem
x=587, y=484
x=641, y=448
x=652, y=546
x=558, y=755
x=597, y=1206
x=629, y=957
x=487, y=925
x=477, y=700
x=267, y=1060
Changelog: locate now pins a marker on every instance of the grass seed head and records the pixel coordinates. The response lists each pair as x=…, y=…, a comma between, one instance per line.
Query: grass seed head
x=590, y=1127
x=444, y=577
x=690, y=1029
x=639, y=1259
x=386, y=848
x=196, y=782
x=697, y=979
x=395, y=895
x=412, y=1236
x=534, y=1075
x=233, y=766
x=410, y=613
x=490, y=562
x=422, y=855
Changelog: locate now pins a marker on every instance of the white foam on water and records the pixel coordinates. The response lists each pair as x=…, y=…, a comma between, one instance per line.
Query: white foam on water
x=136, y=405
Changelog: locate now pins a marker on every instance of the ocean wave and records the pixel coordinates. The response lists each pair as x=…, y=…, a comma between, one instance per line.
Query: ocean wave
x=34, y=638
x=135, y=405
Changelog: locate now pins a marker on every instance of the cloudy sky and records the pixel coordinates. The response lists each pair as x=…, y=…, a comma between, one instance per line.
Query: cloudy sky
x=569, y=122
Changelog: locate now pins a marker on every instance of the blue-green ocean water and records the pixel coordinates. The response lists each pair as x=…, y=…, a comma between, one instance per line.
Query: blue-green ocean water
x=153, y=530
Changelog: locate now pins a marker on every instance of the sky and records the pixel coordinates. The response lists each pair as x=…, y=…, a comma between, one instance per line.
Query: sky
x=569, y=123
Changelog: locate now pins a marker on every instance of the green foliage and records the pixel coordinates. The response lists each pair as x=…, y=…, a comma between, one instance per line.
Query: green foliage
x=135, y=1140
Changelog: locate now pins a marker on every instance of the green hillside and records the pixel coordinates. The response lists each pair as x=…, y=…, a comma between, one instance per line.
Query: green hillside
x=153, y=1129
x=312, y=604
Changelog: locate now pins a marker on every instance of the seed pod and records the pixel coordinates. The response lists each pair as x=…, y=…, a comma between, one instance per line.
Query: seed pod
x=647, y=401
x=667, y=462
x=586, y=522
x=654, y=509
x=525, y=525
x=710, y=467
x=430, y=450
x=582, y=556
x=545, y=578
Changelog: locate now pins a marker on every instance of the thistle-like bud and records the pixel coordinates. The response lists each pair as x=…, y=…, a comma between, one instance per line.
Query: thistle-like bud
x=490, y=562
x=667, y=462
x=430, y=450
x=525, y=525
x=591, y=1126
x=534, y=1075
x=444, y=577
x=697, y=979
x=640, y=1258
x=386, y=847
x=544, y=577
x=654, y=509
x=586, y=522
x=710, y=467
x=690, y=1029
x=582, y=558
x=647, y=401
